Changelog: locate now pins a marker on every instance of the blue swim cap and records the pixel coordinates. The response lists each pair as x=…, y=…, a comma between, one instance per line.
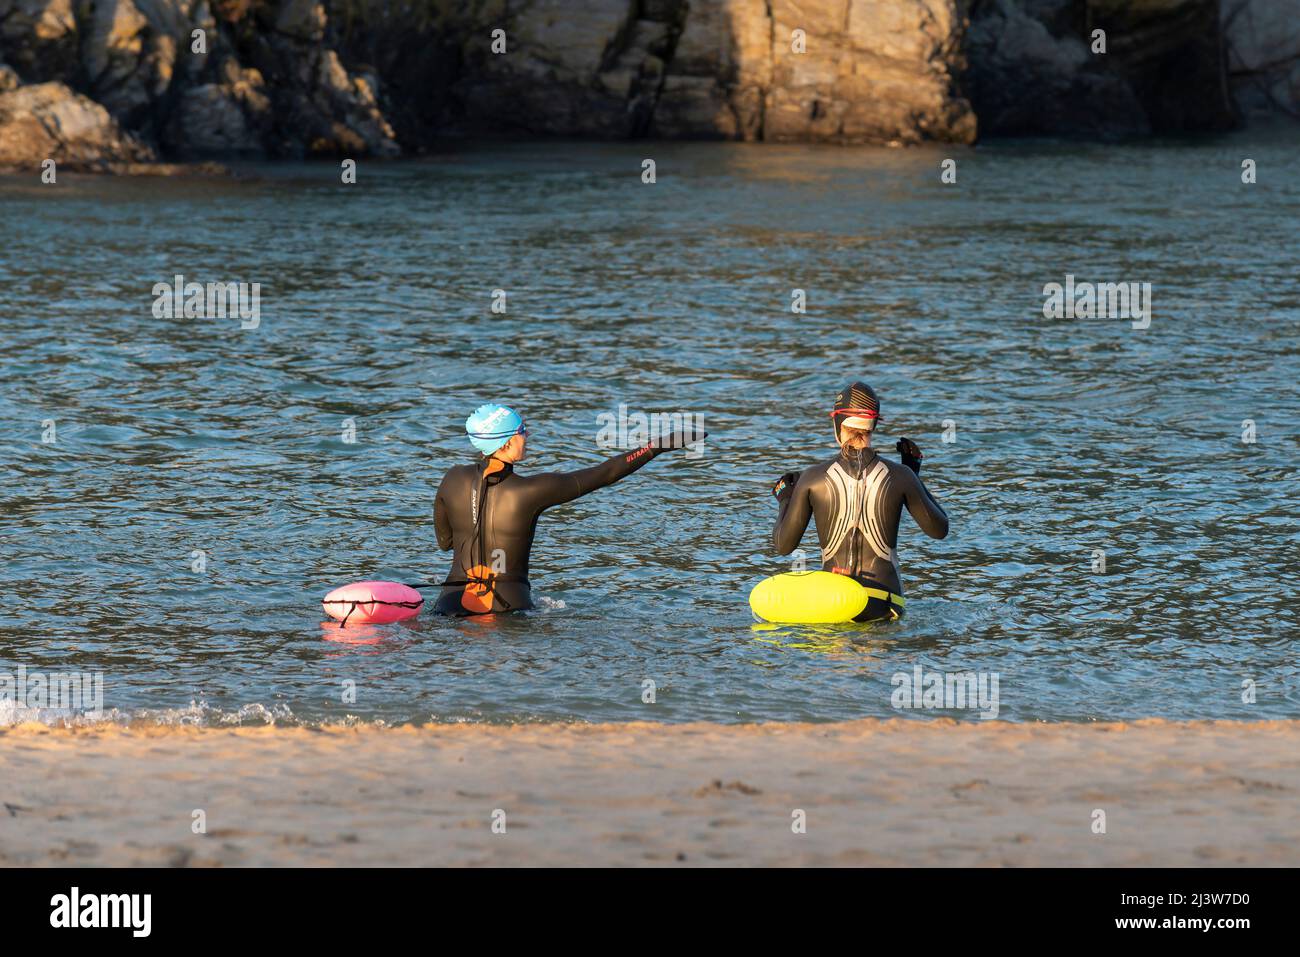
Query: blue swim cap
x=492, y=426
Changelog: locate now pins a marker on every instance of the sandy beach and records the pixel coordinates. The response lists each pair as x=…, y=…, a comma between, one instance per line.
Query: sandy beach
x=871, y=792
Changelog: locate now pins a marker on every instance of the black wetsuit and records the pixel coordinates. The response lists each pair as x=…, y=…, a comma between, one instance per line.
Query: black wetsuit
x=490, y=523
x=857, y=503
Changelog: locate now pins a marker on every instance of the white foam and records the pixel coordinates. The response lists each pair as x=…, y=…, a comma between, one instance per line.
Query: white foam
x=197, y=714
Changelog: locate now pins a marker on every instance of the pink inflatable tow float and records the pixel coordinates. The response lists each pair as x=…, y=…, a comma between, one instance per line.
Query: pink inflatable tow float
x=375, y=603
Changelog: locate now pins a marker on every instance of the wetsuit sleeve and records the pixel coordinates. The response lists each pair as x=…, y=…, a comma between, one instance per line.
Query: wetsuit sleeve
x=441, y=519
x=556, y=488
x=792, y=519
x=928, y=514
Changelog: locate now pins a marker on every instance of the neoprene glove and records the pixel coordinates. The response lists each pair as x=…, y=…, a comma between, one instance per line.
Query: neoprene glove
x=679, y=440
x=911, y=454
x=785, y=485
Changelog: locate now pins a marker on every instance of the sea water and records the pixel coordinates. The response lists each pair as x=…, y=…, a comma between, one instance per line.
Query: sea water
x=179, y=492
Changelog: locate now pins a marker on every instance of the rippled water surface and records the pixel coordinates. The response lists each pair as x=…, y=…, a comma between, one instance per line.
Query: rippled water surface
x=180, y=435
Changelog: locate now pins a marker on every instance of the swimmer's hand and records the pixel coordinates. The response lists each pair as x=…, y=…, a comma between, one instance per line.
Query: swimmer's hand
x=911, y=454
x=679, y=440
x=785, y=485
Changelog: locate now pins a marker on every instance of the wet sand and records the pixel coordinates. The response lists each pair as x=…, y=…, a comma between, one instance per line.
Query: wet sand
x=873, y=793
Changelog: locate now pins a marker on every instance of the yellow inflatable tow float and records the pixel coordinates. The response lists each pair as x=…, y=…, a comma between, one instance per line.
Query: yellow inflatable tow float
x=812, y=598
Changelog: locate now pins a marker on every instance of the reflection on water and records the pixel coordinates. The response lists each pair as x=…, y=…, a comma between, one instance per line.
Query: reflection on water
x=847, y=640
x=179, y=438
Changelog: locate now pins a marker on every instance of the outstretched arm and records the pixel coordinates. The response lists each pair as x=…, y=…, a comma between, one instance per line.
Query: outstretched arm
x=795, y=510
x=556, y=488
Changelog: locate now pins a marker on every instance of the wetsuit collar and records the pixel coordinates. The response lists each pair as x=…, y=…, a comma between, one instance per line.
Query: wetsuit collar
x=856, y=465
x=503, y=469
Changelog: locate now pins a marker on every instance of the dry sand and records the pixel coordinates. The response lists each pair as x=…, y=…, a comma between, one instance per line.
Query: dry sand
x=874, y=793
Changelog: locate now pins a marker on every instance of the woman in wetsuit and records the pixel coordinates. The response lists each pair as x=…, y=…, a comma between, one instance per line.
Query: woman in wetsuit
x=857, y=499
x=487, y=512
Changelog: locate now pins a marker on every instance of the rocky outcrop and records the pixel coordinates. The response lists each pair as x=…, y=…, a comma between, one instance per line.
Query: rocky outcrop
x=717, y=80
x=258, y=77
x=38, y=38
x=48, y=121
x=230, y=117
x=884, y=73
x=272, y=85
x=294, y=78
x=832, y=70
x=1263, y=42
x=898, y=71
x=1033, y=68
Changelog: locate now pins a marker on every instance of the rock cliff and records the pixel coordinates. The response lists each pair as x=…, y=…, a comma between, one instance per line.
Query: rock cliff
x=296, y=78
x=1263, y=49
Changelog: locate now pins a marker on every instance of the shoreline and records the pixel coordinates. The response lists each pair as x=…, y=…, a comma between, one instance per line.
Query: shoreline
x=872, y=793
